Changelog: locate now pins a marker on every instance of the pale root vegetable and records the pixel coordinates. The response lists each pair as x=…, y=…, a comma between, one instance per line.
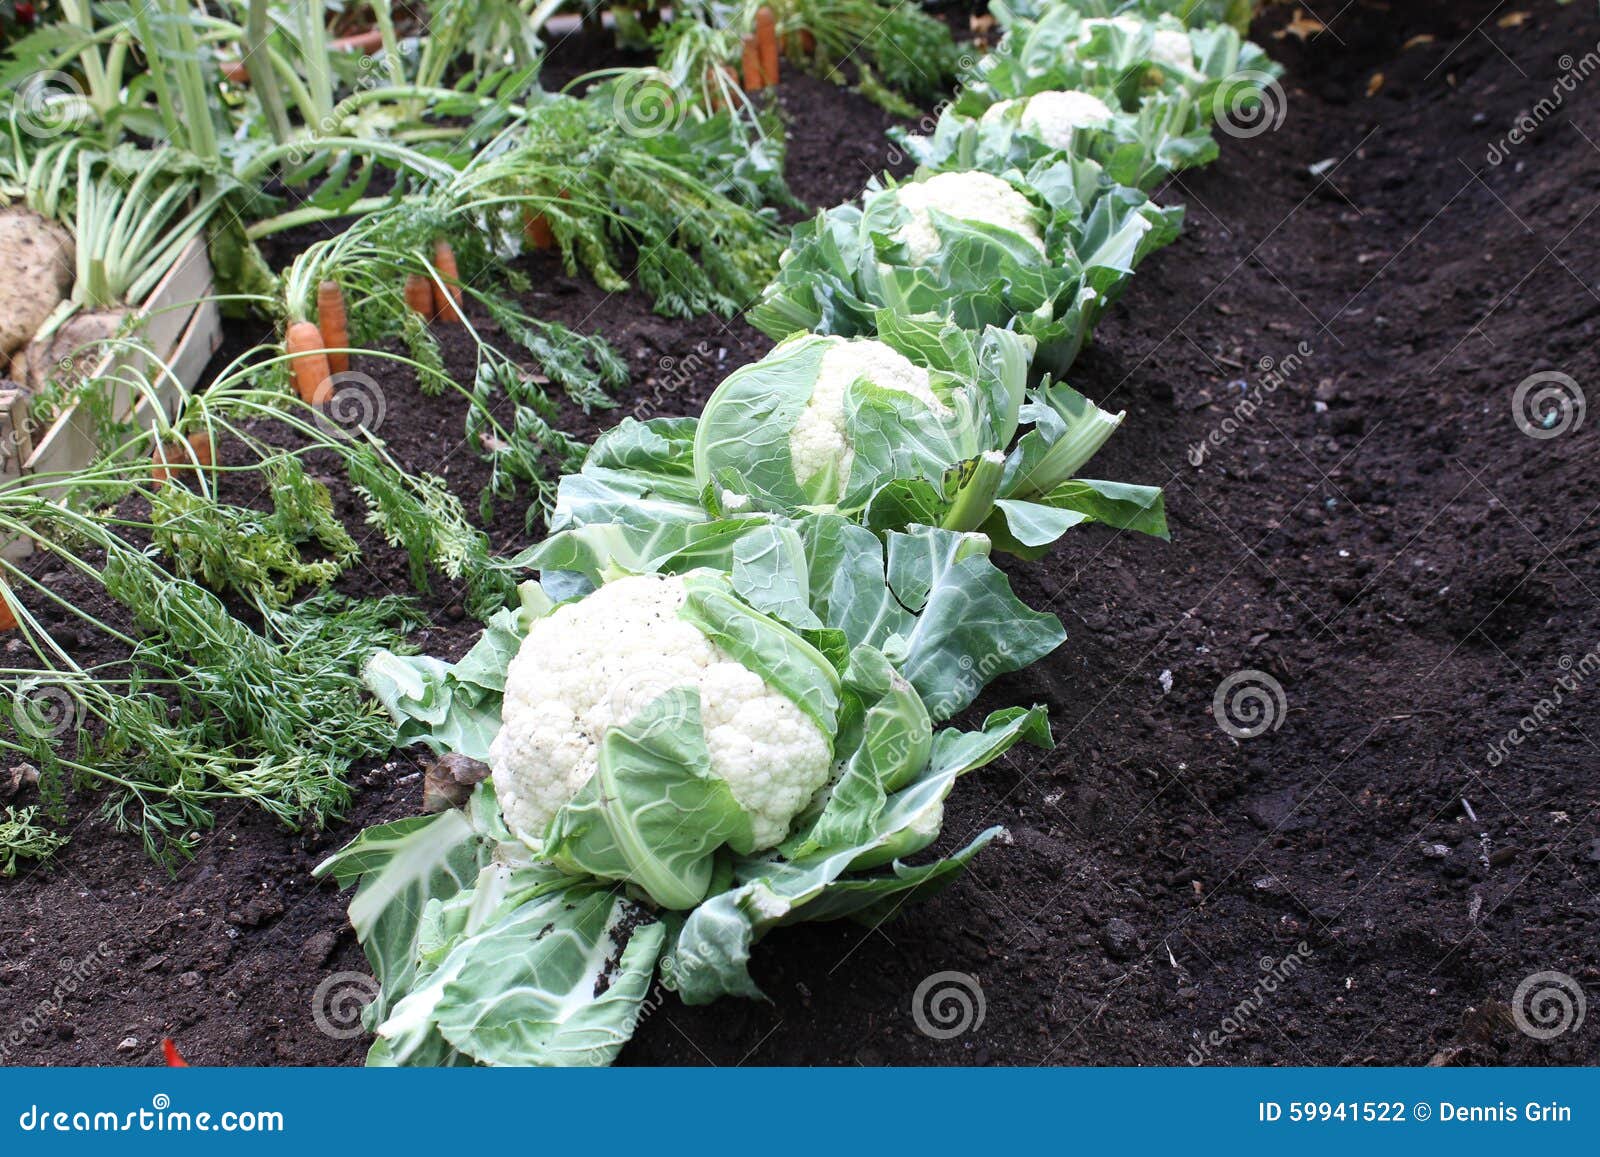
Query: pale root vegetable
x=308, y=362
x=36, y=270
x=334, y=324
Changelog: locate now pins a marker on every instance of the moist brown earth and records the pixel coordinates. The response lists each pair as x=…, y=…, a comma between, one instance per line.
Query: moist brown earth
x=1369, y=879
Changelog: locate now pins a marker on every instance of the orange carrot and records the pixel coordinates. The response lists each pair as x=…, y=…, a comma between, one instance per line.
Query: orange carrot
x=205, y=450
x=767, y=44
x=234, y=71
x=419, y=294
x=308, y=364
x=8, y=617
x=447, y=302
x=536, y=230
x=174, y=1058
x=536, y=226
x=334, y=325
x=753, y=80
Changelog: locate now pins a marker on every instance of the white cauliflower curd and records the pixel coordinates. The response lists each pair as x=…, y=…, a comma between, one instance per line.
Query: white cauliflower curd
x=1054, y=117
x=1169, y=47
x=819, y=438
x=1173, y=49
x=597, y=663
x=966, y=196
x=995, y=111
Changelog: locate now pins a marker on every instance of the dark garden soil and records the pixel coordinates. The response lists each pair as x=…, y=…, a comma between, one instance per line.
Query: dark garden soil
x=1363, y=882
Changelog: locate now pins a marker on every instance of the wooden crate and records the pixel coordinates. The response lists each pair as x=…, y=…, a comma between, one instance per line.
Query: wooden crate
x=179, y=324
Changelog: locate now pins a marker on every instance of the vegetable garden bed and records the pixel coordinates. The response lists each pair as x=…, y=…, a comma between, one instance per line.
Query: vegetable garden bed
x=179, y=323
x=1378, y=537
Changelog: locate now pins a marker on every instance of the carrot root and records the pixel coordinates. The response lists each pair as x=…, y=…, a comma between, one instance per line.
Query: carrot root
x=172, y=459
x=419, y=295
x=308, y=363
x=767, y=44
x=446, y=299
x=334, y=325
x=753, y=80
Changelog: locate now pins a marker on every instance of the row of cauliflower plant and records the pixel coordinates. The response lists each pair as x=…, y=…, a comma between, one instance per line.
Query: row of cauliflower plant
x=725, y=704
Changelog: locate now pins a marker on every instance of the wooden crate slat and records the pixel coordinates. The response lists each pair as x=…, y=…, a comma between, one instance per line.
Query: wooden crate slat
x=179, y=325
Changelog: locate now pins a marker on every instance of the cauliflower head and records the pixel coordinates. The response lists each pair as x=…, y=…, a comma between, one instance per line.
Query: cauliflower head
x=598, y=662
x=1170, y=47
x=819, y=438
x=1054, y=117
x=966, y=196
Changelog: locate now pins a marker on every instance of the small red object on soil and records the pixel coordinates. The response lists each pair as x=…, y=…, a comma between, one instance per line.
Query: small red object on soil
x=174, y=1057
